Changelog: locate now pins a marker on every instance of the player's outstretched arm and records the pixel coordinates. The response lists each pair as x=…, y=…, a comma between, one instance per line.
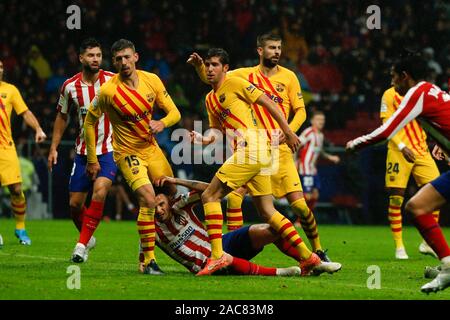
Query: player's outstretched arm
x=191, y=184
x=93, y=167
x=291, y=138
x=197, y=61
x=58, y=130
x=31, y=121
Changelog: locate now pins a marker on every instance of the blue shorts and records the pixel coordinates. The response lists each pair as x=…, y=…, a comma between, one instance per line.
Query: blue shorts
x=80, y=182
x=442, y=185
x=238, y=244
x=310, y=182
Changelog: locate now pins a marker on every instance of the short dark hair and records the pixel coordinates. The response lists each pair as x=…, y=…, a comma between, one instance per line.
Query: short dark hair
x=88, y=44
x=121, y=44
x=263, y=38
x=218, y=52
x=413, y=63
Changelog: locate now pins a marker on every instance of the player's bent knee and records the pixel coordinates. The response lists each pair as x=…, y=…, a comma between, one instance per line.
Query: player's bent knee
x=208, y=196
x=414, y=208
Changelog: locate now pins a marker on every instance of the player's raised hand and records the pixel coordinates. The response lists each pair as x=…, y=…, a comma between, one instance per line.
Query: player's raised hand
x=196, y=137
x=408, y=154
x=293, y=141
x=349, y=147
x=278, y=137
x=52, y=159
x=195, y=60
x=334, y=159
x=164, y=179
x=92, y=170
x=437, y=153
x=39, y=136
x=156, y=126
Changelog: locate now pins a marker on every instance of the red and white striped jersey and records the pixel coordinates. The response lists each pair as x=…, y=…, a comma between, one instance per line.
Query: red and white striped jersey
x=424, y=99
x=312, y=144
x=183, y=237
x=75, y=92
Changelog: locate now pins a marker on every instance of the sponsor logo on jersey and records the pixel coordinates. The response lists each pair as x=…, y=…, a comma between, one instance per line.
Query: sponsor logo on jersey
x=274, y=98
x=182, y=237
x=225, y=113
x=136, y=117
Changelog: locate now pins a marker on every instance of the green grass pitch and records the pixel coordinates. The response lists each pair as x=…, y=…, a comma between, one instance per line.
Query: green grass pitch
x=39, y=271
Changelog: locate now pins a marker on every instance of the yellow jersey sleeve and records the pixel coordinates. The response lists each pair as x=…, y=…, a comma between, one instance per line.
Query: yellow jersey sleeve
x=245, y=90
x=17, y=101
x=95, y=110
x=387, y=104
x=297, y=103
x=212, y=118
x=201, y=72
x=166, y=103
x=386, y=111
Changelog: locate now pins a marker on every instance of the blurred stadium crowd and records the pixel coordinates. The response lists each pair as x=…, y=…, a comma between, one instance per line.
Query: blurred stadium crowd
x=343, y=67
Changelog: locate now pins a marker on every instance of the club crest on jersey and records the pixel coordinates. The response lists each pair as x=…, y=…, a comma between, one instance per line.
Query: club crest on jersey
x=135, y=170
x=3, y=95
x=180, y=220
x=222, y=98
x=279, y=87
x=392, y=178
x=150, y=97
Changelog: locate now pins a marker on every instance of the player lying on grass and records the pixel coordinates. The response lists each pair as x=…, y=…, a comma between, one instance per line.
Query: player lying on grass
x=183, y=237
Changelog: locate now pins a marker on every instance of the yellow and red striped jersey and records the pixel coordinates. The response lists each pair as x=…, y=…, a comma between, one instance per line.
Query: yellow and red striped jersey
x=130, y=112
x=229, y=108
x=283, y=88
x=10, y=99
x=412, y=135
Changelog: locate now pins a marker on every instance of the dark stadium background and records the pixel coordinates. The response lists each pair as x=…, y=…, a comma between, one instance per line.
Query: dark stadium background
x=343, y=68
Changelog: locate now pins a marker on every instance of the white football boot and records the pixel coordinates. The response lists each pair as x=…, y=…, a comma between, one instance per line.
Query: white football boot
x=401, y=254
x=79, y=253
x=441, y=281
x=424, y=248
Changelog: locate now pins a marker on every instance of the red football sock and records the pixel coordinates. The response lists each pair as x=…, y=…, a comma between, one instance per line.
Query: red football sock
x=91, y=220
x=77, y=216
x=245, y=267
x=287, y=249
x=432, y=233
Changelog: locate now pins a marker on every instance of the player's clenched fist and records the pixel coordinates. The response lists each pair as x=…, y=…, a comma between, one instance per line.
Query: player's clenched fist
x=92, y=170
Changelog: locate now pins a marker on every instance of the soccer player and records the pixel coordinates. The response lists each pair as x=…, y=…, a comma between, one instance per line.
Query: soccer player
x=184, y=238
x=230, y=110
x=10, y=176
x=128, y=99
x=78, y=92
x=407, y=154
x=312, y=147
x=428, y=101
x=281, y=86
